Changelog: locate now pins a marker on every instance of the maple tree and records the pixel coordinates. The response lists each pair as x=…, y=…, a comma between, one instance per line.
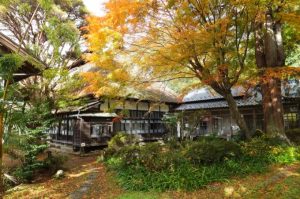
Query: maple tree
x=216, y=43
x=167, y=40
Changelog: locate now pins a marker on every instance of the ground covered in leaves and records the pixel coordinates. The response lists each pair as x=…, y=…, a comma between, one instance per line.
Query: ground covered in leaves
x=86, y=178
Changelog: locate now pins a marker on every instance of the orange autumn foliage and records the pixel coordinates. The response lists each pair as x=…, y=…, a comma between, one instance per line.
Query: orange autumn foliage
x=138, y=42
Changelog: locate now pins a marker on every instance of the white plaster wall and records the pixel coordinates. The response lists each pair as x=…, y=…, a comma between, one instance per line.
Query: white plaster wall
x=143, y=106
x=104, y=106
x=164, y=108
x=131, y=105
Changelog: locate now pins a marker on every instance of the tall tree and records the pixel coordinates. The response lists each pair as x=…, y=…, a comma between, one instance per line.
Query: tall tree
x=52, y=35
x=215, y=42
x=270, y=55
x=48, y=30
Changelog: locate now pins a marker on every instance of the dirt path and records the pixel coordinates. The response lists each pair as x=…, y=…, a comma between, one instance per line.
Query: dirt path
x=84, y=176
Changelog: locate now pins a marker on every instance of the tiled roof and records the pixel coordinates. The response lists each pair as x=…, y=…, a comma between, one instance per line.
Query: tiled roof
x=217, y=103
x=209, y=94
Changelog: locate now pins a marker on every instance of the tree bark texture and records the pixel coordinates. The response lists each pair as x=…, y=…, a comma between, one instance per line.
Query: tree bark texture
x=237, y=116
x=269, y=54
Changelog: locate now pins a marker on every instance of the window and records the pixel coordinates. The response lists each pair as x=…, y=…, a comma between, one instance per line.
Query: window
x=141, y=114
x=155, y=115
x=95, y=131
x=217, y=124
x=99, y=130
x=203, y=127
x=133, y=113
x=55, y=129
x=64, y=127
x=291, y=120
x=156, y=126
x=71, y=127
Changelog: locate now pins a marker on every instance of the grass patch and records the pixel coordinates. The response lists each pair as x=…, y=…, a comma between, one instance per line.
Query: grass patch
x=144, y=195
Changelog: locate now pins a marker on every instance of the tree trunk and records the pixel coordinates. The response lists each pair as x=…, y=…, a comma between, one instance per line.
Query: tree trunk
x=237, y=116
x=272, y=107
x=1, y=154
x=269, y=54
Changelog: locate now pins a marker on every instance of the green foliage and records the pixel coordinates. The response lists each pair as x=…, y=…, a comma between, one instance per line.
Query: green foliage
x=270, y=150
x=31, y=145
x=9, y=64
x=207, y=151
x=194, y=164
x=54, y=162
x=118, y=143
x=170, y=121
x=56, y=46
x=122, y=139
x=25, y=139
x=294, y=135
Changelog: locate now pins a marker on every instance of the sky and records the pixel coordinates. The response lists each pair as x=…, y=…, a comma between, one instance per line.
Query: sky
x=95, y=6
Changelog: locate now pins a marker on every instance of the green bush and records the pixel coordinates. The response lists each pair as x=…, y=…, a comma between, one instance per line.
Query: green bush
x=294, y=135
x=207, y=151
x=26, y=172
x=54, y=163
x=118, y=143
x=272, y=150
x=189, y=165
x=130, y=155
x=122, y=139
x=155, y=157
x=152, y=157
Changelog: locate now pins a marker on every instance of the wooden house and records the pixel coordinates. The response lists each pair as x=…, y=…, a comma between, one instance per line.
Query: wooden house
x=99, y=119
x=95, y=123
x=216, y=118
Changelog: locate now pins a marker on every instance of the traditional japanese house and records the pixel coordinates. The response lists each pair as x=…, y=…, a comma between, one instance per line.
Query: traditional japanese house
x=94, y=123
x=100, y=119
x=216, y=117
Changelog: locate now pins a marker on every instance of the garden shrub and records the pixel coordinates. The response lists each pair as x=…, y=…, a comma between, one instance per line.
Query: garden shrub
x=173, y=144
x=258, y=133
x=54, y=162
x=269, y=150
x=152, y=156
x=129, y=155
x=294, y=135
x=189, y=165
x=32, y=145
x=155, y=157
x=207, y=151
x=26, y=172
x=122, y=139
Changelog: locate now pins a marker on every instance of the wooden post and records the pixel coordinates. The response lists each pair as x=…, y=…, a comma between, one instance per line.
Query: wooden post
x=254, y=120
